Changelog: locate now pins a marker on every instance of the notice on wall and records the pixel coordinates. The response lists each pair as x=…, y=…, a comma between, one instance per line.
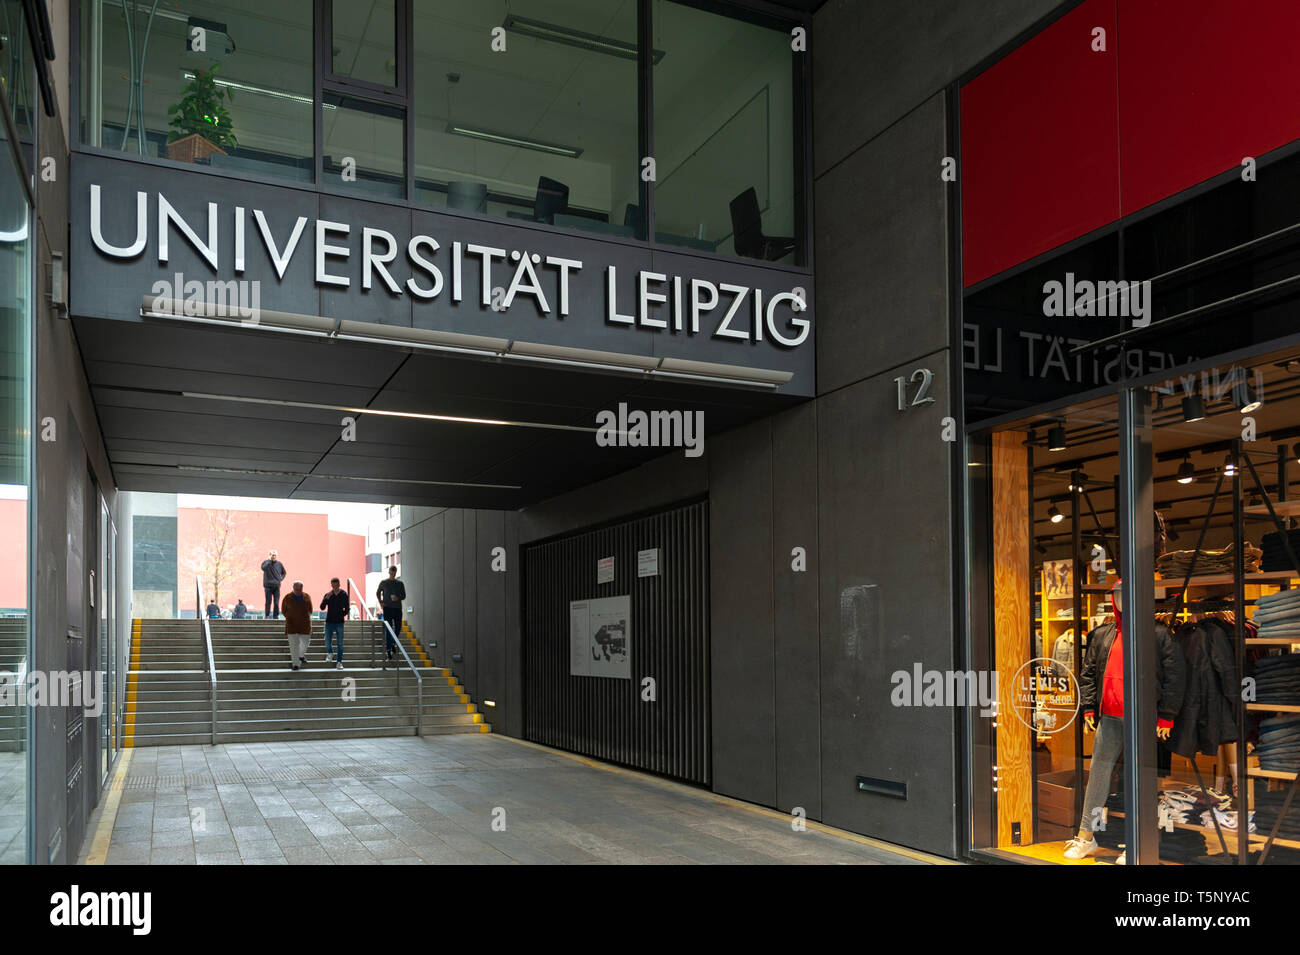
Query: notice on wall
x=605, y=570
x=647, y=562
x=600, y=637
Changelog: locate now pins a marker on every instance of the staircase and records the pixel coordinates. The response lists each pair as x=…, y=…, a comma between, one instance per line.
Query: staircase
x=13, y=648
x=260, y=699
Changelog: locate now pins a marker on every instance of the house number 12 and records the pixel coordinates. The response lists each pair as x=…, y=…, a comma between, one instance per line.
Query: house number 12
x=925, y=376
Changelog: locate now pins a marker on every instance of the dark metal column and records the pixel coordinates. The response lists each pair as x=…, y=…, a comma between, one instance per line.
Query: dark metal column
x=1135, y=510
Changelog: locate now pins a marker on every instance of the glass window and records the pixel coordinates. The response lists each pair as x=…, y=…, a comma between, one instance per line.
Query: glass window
x=364, y=44
x=215, y=85
x=530, y=112
x=724, y=134
x=17, y=75
x=15, y=463
x=364, y=145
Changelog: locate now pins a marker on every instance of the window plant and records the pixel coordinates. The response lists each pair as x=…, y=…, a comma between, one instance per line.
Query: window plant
x=200, y=121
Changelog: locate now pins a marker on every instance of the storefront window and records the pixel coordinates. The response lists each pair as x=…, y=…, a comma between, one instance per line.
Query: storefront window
x=15, y=481
x=213, y=85
x=364, y=40
x=1047, y=545
x=529, y=112
x=724, y=134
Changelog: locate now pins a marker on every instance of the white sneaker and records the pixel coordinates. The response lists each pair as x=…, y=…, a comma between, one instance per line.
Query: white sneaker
x=338, y=666
x=1077, y=849
x=329, y=658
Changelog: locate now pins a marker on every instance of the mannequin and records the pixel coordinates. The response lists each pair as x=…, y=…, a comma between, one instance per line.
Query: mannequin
x=1102, y=686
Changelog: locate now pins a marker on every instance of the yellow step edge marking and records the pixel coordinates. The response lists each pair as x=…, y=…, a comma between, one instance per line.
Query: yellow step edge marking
x=484, y=728
x=478, y=717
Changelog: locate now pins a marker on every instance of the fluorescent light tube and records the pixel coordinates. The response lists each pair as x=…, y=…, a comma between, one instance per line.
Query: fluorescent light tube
x=541, y=30
x=555, y=149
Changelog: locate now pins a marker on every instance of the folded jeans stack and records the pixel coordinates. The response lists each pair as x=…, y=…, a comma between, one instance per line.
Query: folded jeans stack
x=1277, y=679
x=1176, y=562
x=1278, y=615
x=1279, y=744
x=1275, y=557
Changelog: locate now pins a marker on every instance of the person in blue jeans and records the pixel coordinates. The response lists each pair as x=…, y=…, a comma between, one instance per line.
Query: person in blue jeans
x=335, y=606
x=391, y=593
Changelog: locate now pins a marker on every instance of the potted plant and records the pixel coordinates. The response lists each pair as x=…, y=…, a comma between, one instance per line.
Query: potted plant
x=200, y=122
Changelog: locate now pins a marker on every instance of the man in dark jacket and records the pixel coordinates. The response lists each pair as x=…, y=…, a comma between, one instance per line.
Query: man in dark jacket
x=240, y=612
x=213, y=611
x=1101, y=686
x=273, y=573
x=391, y=593
x=335, y=606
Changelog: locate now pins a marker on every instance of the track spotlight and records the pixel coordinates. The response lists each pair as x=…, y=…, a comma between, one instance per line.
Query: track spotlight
x=1040, y=548
x=1193, y=408
x=1229, y=466
x=1170, y=533
x=1056, y=438
x=1186, y=473
x=1245, y=398
x=1077, y=480
x=1055, y=514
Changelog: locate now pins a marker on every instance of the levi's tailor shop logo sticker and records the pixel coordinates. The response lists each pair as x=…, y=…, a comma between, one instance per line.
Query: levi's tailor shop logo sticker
x=1045, y=696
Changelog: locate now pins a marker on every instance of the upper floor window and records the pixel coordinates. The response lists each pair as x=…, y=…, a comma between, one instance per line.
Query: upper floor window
x=221, y=85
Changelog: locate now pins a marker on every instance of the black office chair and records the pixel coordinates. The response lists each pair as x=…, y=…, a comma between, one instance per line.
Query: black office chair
x=747, y=231
x=552, y=197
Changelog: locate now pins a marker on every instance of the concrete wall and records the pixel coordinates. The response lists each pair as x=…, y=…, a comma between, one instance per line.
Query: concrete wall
x=802, y=659
x=76, y=450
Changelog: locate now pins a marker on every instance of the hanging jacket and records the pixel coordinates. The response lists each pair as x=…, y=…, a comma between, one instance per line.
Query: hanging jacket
x=1208, y=716
x=1171, y=676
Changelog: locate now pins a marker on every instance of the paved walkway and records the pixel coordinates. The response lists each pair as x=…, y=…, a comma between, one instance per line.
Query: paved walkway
x=432, y=800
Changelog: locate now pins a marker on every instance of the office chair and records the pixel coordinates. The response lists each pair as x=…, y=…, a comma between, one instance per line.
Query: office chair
x=552, y=197
x=747, y=231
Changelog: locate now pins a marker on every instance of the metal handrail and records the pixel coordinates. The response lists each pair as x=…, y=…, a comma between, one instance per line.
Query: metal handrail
x=419, y=680
x=205, y=629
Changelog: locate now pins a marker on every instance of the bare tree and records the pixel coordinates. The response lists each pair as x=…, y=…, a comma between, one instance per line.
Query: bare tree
x=220, y=552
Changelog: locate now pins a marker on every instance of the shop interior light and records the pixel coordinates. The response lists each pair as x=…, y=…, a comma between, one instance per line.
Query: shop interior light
x=1040, y=548
x=1055, y=514
x=1229, y=466
x=1245, y=398
x=1077, y=481
x=260, y=90
x=1186, y=473
x=1056, y=438
x=1170, y=533
x=1193, y=408
x=556, y=33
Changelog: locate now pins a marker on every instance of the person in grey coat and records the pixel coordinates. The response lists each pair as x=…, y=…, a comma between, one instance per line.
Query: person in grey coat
x=273, y=573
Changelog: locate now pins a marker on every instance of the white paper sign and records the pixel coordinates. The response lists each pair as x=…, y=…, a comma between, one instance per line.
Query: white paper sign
x=600, y=637
x=647, y=562
x=605, y=570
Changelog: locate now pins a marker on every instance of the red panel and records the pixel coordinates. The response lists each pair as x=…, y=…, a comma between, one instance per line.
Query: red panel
x=1040, y=144
x=1204, y=83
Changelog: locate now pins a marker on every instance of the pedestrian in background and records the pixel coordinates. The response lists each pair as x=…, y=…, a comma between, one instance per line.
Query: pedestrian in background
x=391, y=593
x=213, y=611
x=336, y=610
x=296, y=608
x=273, y=573
x=240, y=612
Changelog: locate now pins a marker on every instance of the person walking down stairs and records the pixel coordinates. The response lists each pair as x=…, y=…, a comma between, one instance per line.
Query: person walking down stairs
x=296, y=608
x=391, y=593
x=335, y=606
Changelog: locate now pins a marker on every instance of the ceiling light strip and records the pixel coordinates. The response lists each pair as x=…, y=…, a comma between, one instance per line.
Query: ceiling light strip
x=460, y=343
x=416, y=415
x=331, y=477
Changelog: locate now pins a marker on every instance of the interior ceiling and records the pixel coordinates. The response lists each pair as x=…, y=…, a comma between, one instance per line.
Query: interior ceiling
x=160, y=439
x=1093, y=448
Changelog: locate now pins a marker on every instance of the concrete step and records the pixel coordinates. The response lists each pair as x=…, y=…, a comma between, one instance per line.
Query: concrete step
x=195, y=711
x=264, y=736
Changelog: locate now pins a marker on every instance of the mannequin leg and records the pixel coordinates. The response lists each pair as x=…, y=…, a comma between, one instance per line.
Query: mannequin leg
x=1106, y=750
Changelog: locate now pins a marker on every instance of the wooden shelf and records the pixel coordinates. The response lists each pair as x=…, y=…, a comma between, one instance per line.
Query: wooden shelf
x=1270, y=774
x=1274, y=707
x=1211, y=580
x=1281, y=508
x=1272, y=641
